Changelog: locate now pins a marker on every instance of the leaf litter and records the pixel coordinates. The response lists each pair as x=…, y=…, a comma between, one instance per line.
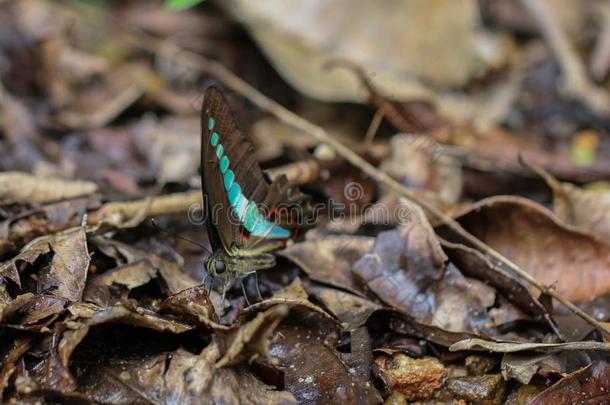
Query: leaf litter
x=381, y=301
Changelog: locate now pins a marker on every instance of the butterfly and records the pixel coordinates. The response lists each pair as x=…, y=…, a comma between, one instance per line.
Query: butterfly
x=247, y=215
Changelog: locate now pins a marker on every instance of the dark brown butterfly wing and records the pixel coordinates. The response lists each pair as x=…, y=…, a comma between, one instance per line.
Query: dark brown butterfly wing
x=237, y=194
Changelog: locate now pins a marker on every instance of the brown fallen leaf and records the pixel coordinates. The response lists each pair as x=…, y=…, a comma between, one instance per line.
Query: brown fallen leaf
x=17, y=187
x=66, y=274
x=413, y=378
x=512, y=347
x=251, y=341
x=314, y=373
x=22, y=227
x=193, y=303
x=329, y=260
x=353, y=311
x=85, y=317
x=586, y=208
x=177, y=377
x=406, y=269
x=174, y=279
x=590, y=385
x=532, y=237
x=50, y=373
x=474, y=264
x=524, y=366
x=32, y=312
x=10, y=357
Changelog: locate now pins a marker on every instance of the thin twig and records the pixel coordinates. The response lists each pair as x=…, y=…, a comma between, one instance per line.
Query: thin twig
x=576, y=81
x=168, y=49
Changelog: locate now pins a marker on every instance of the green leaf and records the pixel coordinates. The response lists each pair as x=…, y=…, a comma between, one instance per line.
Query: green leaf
x=175, y=5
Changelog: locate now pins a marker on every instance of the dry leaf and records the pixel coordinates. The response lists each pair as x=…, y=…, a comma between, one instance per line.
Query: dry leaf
x=531, y=236
x=67, y=272
x=590, y=385
x=16, y=187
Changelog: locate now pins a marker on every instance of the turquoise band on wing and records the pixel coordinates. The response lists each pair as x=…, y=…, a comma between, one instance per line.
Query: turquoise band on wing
x=246, y=211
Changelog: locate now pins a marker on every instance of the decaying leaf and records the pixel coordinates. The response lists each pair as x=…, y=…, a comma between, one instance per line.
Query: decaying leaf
x=524, y=366
x=314, y=371
x=531, y=236
x=17, y=187
x=251, y=341
x=474, y=264
x=350, y=309
x=193, y=303
x=66, y=274
x=590, y=385
x=179, y=377
x=406, y=269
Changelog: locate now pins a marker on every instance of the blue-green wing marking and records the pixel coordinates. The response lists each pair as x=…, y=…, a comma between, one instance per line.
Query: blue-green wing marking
x=245, y=210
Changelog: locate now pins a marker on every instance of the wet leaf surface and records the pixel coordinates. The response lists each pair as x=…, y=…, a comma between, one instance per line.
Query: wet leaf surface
x=320, y=378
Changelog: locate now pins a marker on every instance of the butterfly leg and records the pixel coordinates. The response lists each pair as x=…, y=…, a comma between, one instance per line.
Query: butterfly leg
x=243, y=290
x=204, y=281
x=222, y=297
x=258, y=290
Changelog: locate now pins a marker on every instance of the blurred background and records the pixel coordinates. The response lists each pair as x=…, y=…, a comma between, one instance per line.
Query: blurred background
x=461, y=101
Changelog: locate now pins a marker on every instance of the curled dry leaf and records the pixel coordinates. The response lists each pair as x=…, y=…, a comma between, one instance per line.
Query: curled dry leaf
x=32, y=312
x=532, y=237
x=586, y=208
x=66, y=274
x=87, y=317
x=251, y=341
x=175, y=280
x=17, y=230
x=523, y=366
x=193, y=304
x=590, y=385
x=10, y=357
x=512, y=347
x=177, y=377
x=17, y=187
x=413, y=378
x=50, y=373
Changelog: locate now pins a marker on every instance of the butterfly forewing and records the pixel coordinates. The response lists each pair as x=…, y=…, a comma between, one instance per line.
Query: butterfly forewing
x=237, y=194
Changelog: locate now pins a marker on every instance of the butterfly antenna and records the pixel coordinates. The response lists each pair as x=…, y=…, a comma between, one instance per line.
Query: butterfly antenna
x=157, y=227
